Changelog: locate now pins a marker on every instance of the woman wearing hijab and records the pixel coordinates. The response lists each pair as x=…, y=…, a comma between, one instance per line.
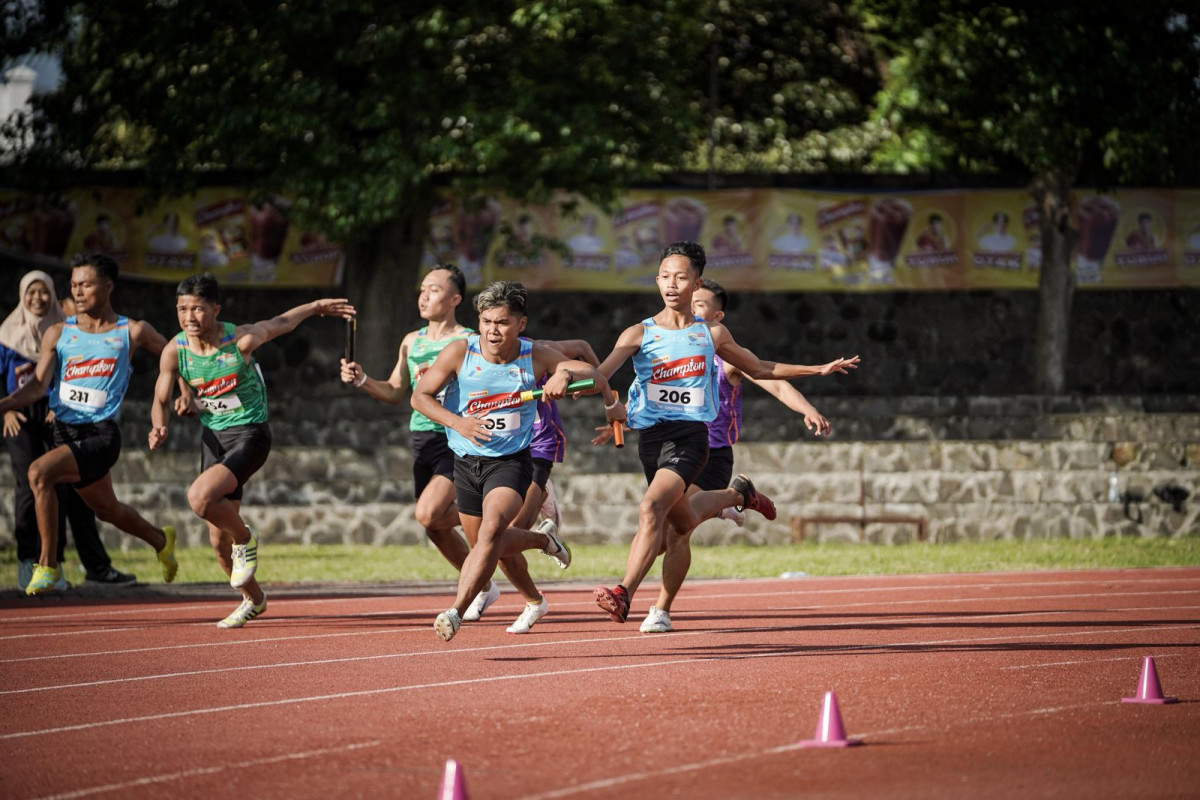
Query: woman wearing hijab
x=27, y=436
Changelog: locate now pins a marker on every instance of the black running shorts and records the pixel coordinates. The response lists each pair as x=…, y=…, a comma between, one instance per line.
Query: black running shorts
x=541, y=471
x=681, y=447
x=242, y=449
x=95, y=445
x=475, y=476
x=718, y=471
x=431, y=455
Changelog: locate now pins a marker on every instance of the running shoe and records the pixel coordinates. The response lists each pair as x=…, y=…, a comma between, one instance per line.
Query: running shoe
x=615, y=601
x=734, y=516
x=244, y=613
x=755, y=501
x=529, y=617
x=166, y=556
x=481, y=602
x=550, y=504
x=447, y=624
x=111, y=577
x=245, y=560
x=45, y=580
x=556, y=548
x=656, y=621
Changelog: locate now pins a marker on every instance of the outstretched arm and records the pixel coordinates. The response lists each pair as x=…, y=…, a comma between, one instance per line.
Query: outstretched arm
x=35, y=389
x=755, y=368
x=564, y=371
x=251, y=337
x=577, y=349
x=628, y=343
x=168, y=372
x=787, y=394
x=143, y=335
x=391, y=391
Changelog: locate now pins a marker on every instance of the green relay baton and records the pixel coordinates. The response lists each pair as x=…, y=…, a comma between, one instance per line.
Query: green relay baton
x=577, y=386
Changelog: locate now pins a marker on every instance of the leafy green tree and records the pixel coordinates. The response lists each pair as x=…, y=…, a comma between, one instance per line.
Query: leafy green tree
x=1104, y=92
x=362, y=109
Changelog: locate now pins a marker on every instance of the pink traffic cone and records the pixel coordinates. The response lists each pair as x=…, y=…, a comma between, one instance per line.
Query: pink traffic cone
x=454, y=786
x=1149, y=690
x=830, y=732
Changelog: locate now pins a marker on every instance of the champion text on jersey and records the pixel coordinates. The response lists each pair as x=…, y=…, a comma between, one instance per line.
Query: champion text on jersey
x=494, y=402
x=680, y=368
x=92, y=368
x=217, y=386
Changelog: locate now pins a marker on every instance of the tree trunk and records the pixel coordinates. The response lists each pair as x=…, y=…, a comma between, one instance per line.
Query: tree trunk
x=382, y=274
x=1056, y=286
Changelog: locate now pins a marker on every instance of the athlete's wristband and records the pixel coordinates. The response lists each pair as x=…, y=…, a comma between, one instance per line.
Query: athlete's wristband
x=615, y=403
x=358, y=383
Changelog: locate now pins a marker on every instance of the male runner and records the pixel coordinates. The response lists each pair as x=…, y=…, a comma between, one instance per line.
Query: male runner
x=90, y=353
x=709, y=303
x=672, y=399
x=489, y=429
x=215, y=359
x=442, y=291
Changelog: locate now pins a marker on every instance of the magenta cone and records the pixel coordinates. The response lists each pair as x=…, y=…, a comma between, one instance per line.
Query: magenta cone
x=1149, y=690
x=830, y=732
x=454, y=786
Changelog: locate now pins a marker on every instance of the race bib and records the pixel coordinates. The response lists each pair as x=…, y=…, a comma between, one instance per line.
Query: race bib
x=82, y=398
x=664, y=394
x=503, y=424
x=219, y=405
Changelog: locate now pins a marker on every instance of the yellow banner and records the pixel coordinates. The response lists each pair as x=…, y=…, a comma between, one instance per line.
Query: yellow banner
x=217, y=230
x=1187, y=223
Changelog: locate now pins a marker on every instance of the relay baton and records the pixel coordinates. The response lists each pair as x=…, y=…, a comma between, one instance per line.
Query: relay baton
x=351, y=333
x=618, y=427
x=577, y=386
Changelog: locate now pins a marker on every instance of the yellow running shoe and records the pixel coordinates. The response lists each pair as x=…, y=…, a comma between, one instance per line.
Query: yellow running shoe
x=166, y=556
x=44, y=580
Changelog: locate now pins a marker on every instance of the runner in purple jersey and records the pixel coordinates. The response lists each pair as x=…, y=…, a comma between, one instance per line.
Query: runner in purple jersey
x=709, y=303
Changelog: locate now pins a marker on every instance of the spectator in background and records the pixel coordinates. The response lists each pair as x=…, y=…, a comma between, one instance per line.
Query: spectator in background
x=27, y=435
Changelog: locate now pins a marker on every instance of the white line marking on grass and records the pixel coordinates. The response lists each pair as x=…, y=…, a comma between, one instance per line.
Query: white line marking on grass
x=557, y=673
x=193, y=773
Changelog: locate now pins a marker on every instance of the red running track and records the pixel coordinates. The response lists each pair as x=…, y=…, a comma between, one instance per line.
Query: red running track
x=986, y=685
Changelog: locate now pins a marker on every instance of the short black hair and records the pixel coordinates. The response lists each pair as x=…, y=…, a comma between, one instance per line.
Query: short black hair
x=104, y=265
x=692, y=251
x=203, y=286
x=456, y=277
x=719, y=293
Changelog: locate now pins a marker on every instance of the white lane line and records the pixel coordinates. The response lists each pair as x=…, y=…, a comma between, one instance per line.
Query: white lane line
x=696, y=766
x=150, y=780
x=831, y=609
x=992, y=584
x=830, y=650
x=1138, y=657
x=441, y=651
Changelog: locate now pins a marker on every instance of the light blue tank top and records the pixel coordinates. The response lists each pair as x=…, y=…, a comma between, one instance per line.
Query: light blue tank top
x=496, y=389
x=93, y=373
x=674, y=376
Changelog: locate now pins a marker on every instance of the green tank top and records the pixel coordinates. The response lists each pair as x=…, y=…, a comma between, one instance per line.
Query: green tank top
x=229, y=390
x=420, y=357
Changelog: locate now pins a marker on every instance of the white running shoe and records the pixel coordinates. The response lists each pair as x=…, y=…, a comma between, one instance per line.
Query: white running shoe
x=529, y=617
x=656, y=622
x=556, y=548
x=737, y=517
x=550, y=504
x=244, y=613
x=447, y=624
x=481, y=602
x=245, y=561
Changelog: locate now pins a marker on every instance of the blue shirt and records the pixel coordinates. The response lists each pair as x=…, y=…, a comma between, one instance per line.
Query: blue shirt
x=93, y=373
x=17, y=369
x=674, y=376
x=495, y=388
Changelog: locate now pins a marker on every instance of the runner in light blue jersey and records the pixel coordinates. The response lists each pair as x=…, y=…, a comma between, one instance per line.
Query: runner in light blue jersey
x=672, y=399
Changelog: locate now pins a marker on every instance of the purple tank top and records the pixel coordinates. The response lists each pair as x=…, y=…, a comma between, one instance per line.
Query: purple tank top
x=549, y=441
x=723, y=431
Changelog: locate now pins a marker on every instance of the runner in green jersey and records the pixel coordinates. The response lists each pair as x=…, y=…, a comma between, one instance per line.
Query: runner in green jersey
x=442, y=291
x=215, y=359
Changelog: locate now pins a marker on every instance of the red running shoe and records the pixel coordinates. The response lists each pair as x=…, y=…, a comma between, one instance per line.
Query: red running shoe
x=614, y=601
x=752, y=499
